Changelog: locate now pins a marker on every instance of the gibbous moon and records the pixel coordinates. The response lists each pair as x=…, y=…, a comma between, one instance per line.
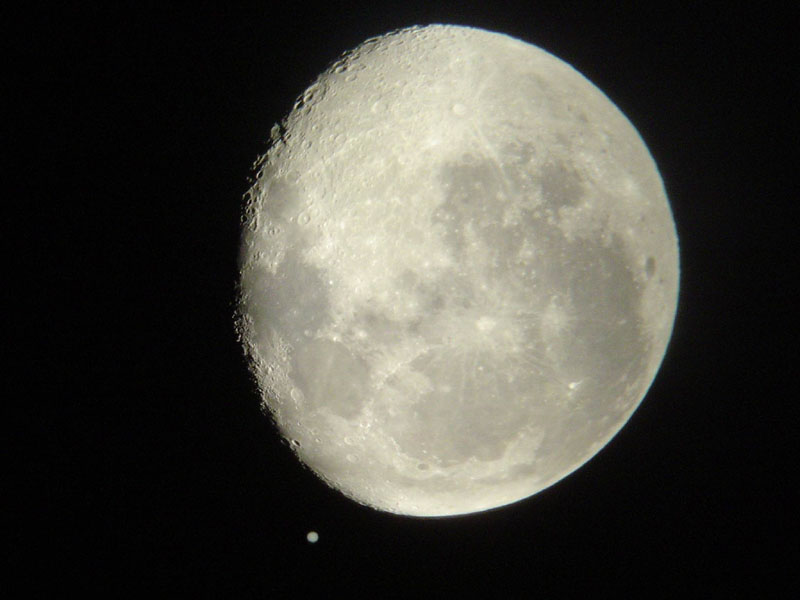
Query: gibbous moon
x=459, y=272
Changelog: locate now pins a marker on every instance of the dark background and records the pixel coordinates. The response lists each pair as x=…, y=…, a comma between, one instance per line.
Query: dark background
x=144, y=461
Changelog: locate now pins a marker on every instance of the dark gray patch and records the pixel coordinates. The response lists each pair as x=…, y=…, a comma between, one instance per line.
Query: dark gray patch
x=520, y=153
x=610, y=344
x=331, y=377
x=429, y=295
x=475, y=417
x=471, y=190
x=604, y=344
x=477, y=196
x=291, y=301
x=650, y=266
x=560, y=185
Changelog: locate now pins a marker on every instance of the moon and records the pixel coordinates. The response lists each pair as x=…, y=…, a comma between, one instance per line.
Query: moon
x=459, y=272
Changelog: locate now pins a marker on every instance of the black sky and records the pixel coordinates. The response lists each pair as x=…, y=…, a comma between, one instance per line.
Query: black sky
x=145, y=462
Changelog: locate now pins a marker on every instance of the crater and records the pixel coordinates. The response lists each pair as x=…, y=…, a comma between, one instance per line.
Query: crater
x=650, y=266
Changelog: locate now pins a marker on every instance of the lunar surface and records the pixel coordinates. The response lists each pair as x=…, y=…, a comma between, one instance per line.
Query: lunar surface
x=459, y=272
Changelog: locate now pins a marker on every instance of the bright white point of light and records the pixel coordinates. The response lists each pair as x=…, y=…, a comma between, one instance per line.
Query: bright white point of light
x=312, y=537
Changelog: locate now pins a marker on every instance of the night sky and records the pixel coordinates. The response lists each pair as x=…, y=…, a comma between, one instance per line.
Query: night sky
x=144, y=461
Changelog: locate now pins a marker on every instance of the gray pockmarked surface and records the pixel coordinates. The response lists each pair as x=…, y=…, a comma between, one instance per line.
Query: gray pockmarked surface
x=459, y=272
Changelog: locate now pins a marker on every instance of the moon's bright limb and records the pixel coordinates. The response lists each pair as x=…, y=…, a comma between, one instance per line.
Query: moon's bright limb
x=459, y=272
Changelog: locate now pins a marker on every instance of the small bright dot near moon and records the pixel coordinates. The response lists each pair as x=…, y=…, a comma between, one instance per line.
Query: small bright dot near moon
x=312, y=536
x=459, y=272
